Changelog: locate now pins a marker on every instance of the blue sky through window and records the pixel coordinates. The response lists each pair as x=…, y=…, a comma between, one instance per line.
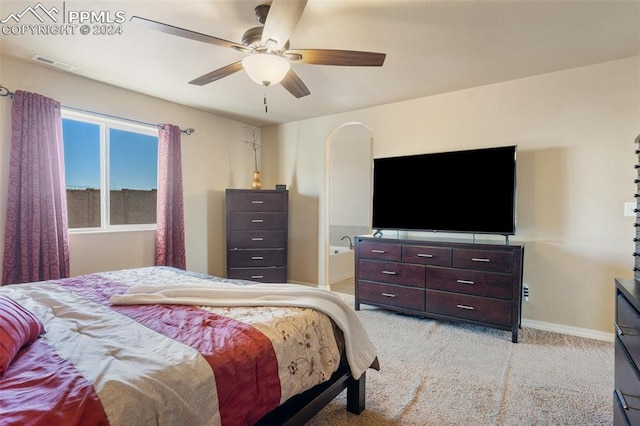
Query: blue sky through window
x=134, y=160
x=133, y=157
x=81, y=154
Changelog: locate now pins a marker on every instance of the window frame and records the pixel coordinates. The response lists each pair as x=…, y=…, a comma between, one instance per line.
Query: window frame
x=105, y=124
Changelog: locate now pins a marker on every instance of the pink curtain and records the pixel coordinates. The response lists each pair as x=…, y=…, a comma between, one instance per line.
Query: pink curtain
x=36, y=245
x=170, y=249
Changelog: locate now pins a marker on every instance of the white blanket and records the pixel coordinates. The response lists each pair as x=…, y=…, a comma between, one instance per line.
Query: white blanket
x=360, y=351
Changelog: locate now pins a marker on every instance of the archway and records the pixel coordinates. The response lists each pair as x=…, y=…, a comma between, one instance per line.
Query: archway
x=348, y=180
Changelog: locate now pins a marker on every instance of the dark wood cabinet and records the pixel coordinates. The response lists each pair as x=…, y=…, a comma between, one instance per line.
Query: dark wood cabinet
x=479, y=283
x=257, y=234
x=626, y=396
x=636, y=239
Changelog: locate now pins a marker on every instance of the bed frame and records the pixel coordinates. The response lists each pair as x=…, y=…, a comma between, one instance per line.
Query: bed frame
x=301, y=408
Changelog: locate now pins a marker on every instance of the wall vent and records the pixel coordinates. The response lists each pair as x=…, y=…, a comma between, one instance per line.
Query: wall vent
x=53, y=63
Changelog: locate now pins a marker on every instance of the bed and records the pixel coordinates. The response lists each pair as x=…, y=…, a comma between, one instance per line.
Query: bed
x=160, y=345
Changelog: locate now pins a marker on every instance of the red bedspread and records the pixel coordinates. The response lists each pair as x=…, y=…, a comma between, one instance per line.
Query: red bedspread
x=54, y=380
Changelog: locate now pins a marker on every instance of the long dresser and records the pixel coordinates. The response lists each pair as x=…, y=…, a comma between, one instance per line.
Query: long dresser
x=257, y=234
x=479, y=283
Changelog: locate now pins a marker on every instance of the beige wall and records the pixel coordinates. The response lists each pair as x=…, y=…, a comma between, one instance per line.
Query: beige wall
x=574, y=130
x=214, y=158
x=350, y=161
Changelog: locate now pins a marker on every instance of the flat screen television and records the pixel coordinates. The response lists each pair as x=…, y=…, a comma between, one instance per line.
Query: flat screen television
x=470, y=191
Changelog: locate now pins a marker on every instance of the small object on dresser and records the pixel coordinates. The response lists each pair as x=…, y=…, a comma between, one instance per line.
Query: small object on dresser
x=281, y=187
x=256, y=184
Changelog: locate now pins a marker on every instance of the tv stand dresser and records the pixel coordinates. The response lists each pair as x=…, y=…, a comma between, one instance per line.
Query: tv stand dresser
x=478, y=283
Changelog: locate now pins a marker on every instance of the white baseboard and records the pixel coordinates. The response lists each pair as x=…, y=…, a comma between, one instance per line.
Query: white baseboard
x=567, y=329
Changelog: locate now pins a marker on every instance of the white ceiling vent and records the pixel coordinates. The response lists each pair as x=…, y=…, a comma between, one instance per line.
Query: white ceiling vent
x=53, y=63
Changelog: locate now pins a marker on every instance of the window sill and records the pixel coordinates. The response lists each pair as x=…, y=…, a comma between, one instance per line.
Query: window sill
x=79, y=231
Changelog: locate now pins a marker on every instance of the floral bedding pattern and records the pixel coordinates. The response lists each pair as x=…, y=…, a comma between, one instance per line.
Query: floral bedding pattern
x=306, y=348
x=121, y=362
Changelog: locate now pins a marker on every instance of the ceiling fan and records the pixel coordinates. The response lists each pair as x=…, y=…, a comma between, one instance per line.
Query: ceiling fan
x=269, y=58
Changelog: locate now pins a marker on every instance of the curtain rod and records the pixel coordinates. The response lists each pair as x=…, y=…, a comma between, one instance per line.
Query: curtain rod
x=6, y=92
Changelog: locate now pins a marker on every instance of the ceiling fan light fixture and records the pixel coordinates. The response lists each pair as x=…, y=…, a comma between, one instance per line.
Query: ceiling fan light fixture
x=266, y=69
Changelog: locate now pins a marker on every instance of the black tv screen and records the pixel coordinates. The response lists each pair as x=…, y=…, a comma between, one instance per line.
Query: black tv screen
x=471, y=191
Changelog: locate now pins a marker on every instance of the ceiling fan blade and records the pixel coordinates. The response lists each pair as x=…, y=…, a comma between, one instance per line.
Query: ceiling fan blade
x=350, y=58
x=281, y=21
x=294, y=85
x=217, y=74
x=181, y=32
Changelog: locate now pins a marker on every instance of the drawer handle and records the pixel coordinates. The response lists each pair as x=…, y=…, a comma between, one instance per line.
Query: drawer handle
x=257, y=239
x=388, y=272
x=388, y=295
x=480, y=259
x=257, y=202
x=257, y=258
x=378, y=251
x=465, y=282
x=623, y=401
x=257, y=276
x=470, y=308
x=257, y=220
x=425, y=255
x=633, y=331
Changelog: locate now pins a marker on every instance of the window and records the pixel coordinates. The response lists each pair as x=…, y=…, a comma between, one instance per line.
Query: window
x=111, y=172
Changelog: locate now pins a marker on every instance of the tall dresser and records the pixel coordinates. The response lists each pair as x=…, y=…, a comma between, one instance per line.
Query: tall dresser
x=257, y=234
x=626, y=396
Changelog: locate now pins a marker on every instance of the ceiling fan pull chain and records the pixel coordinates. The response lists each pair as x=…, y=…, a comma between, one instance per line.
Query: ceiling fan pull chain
x=266, y=110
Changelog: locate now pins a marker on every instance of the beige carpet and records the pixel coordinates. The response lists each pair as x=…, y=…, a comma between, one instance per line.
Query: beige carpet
x=440, y=373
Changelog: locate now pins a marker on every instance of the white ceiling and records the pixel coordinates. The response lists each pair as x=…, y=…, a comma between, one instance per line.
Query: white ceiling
x=432, y=47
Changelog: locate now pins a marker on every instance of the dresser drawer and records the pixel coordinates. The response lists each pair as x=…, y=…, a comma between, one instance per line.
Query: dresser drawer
x=487, y=284
x=391, y=272
x=255, y=258
x=392, y=295
x=619, y=414
x=256, y=220
x=474, y=308
x=256, y=239
x=627, y=386
x=425, y=255
x=483, y=260
x=628, y=328
x=379, y=251
x=257, y=201
x=265, y=275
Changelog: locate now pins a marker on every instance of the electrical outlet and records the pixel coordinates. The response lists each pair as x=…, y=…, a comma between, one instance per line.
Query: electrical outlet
x=629, y=209
x=525, y=292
